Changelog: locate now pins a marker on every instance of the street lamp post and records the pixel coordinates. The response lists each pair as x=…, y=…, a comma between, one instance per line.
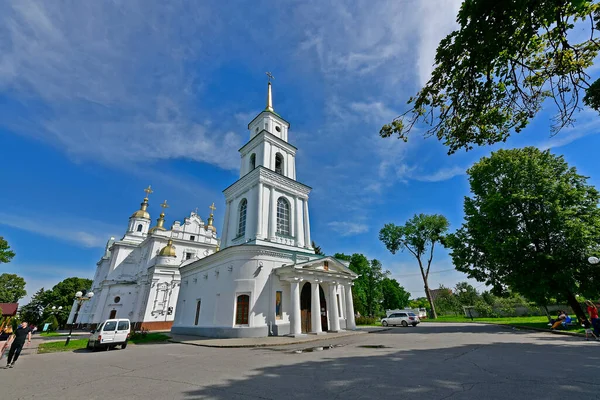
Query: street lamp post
x=80, y=296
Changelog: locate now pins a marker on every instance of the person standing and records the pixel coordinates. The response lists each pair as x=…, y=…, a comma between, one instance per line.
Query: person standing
x=593, y=313
x=22, y=334
x=6, y=338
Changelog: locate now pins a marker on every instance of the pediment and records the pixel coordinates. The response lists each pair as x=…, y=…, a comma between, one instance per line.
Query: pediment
x=326, y=264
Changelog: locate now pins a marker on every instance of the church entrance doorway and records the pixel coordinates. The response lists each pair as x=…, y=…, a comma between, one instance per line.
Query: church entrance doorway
x=113, y=314
x=305, y=308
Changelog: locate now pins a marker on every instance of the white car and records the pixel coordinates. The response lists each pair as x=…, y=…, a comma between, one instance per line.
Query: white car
x=110, y=334
x=401, y=318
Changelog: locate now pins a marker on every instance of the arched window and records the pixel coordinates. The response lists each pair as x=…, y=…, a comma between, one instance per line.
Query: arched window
x=139, y=228
x=279, y=163
x=283, y=216
x=252, y=161
x=242, y=218
x=242, y=309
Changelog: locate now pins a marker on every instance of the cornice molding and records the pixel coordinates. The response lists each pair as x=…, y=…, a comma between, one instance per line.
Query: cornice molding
x=268, y=177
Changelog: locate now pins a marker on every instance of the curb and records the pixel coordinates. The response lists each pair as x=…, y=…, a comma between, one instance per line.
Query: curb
x=527, y=328
x=241, y=346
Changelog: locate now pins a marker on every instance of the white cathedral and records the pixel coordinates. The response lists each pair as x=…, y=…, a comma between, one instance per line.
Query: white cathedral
x=138, y=276
x=264, y=280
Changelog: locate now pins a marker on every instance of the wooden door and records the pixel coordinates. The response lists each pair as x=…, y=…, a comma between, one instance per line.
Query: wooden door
x=305, y=308
x=113, y=314
x=323, y=306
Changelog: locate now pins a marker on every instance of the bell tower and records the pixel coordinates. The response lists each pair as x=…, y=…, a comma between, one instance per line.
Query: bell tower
x=267, y=205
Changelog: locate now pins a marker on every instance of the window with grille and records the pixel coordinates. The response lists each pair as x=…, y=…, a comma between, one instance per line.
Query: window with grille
x=242, y=309
x=242, y=218
x=283, y=216
x=252, y=161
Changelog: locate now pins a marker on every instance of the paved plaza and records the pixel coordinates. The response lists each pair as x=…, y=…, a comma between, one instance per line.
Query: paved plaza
x=431, y=361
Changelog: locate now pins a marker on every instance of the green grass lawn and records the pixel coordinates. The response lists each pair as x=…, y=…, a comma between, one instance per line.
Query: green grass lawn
x=53, y=347
x=526, y=322
x=76, y=344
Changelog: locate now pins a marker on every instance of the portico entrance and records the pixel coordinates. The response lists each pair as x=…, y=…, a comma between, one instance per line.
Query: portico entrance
x=306, y=308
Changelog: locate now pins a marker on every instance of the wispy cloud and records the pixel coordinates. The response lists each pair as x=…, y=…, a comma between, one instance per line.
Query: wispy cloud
x=588, y=124
x=64, y=229
x=440, y=175
x=114, y=80
x=346, y=228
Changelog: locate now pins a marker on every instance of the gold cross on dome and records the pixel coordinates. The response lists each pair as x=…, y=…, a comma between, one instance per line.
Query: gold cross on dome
x=164, y=205
x=196, y=211
x=212, y=208
x=270, y=75
x=148, y=190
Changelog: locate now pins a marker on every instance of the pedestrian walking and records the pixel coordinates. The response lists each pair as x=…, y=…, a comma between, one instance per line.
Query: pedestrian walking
x=22, y=334
x=6, y=338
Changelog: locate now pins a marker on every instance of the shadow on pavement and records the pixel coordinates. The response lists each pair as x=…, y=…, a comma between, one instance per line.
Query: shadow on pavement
x=489, y=371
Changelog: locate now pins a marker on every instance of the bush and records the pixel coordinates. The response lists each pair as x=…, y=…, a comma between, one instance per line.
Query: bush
x=483, y=309
x=53, y=323
x=366, y=320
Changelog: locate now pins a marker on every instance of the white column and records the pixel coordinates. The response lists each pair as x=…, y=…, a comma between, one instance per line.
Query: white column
x=259, y=219
x=334, y=315
x=295, y=313
x=350, y=323
x=307, y=242
x=226, y=225
x=315, y=309
x=298, y=217
x=272, y=215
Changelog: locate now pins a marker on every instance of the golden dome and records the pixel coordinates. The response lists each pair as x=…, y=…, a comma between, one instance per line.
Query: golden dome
x=168, y=250
x=141, y=214
x=210, y=226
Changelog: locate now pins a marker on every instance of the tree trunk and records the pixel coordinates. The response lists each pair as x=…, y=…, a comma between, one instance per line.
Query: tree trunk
x=430, y=299
x=576, y=307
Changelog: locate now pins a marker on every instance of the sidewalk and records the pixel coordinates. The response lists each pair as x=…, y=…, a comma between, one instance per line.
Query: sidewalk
x=266, y=341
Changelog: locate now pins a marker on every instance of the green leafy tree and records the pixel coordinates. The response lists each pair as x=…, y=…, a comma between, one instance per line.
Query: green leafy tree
x=6, y=254
x=446, y=302
x=33, y=311
x=466, y=294
x=53, y=321
x=359, y=264
x=420, y=302
x=12, y=288
x=373, y=280
x=366, y=292
x=494, y=73
x=530, y=225
x=394, y=295
x=63, y=294
x=419, y=236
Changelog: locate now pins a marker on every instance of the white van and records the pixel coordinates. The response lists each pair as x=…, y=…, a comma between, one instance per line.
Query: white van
x=109, y=334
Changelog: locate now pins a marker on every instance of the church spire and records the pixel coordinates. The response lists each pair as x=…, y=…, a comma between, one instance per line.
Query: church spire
x=210, y=225
x=142, y=212
x=269, y=95
x=160, y=222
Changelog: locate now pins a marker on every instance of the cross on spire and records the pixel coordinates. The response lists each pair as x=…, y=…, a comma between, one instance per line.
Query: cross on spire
x=148, y=190
x=164, y=205
x=270, y=75
x=212, y=208
x=269, y=95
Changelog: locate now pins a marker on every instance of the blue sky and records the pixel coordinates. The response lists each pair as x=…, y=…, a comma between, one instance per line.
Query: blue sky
x=98, y=100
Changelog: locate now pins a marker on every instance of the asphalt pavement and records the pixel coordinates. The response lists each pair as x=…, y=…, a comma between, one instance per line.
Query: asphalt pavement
x=431, y=361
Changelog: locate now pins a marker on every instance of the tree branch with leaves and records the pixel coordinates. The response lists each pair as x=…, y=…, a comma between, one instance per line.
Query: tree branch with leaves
x=493, y=74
